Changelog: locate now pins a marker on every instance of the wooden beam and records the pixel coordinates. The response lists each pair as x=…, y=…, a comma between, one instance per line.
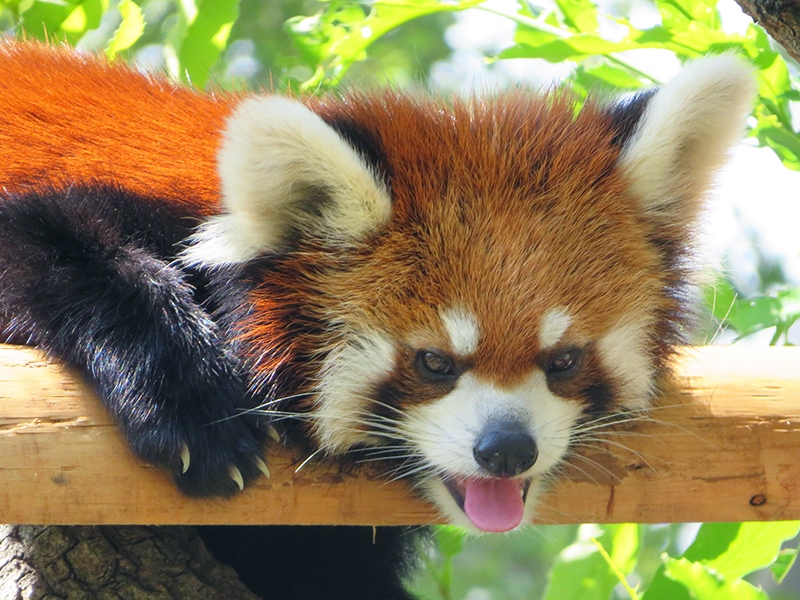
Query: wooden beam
x=726, y=449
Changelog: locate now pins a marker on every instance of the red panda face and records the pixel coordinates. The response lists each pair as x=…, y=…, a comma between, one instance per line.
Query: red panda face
x=504, y=270
x=484, y=320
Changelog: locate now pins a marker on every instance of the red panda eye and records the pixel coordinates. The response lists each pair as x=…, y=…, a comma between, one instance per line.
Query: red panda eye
x=435, y=366
x=563, y=362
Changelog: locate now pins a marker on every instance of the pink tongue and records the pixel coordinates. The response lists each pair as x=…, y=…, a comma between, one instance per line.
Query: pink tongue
x=493, y=504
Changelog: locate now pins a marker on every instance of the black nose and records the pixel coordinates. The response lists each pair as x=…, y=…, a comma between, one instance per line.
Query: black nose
x=505, y=449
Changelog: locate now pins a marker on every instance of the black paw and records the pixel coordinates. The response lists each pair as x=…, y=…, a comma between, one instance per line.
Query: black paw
x=215, y=458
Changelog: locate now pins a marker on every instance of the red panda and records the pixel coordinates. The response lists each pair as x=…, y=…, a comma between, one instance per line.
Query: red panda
x=457, y=287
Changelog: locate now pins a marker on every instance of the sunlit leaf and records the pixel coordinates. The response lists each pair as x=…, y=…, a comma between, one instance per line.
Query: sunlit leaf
x=450, y=540
x=580, y=15
x=537, y=44
x=754, y=314
x=341, y=33
x=44, y=18
x=581, y=572
x=129, y=30
x=783, y=563
x=603, y=75
x=755, y=546
x=206, y=38
x=749, y=315
x=626, y=539
x=706, y=584
x=732, y=550
x=680, y=14
x=85, y=17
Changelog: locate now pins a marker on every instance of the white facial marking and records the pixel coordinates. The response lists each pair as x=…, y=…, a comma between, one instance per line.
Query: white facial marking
x=554, y=325
x=462, y=327
x=346, y=378
x=446, y=431
x=624, y=353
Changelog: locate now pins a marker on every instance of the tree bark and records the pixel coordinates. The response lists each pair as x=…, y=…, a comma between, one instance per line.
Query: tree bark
x=781, y=19
x=105, y=562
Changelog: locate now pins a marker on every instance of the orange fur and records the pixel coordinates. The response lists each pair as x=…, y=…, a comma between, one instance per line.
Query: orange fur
x=65, y=117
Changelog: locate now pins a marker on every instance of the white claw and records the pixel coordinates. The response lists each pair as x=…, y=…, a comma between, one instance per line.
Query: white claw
x=273, y=434
x=262, y=466
x=185, y=458
x=236, y=475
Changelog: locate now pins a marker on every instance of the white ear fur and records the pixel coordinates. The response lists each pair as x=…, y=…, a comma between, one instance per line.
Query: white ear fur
x=285, y=172
x=684, y=135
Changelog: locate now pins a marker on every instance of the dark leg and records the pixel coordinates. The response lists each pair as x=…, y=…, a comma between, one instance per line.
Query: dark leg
x=318, y=563
x=86, y=275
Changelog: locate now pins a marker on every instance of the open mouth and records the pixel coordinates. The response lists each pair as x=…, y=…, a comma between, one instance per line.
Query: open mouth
x=492, y=504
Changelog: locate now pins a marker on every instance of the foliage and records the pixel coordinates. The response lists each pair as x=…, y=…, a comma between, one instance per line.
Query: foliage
x=315, y=46
x=611, y=561
x=336, y=37
x=779, y=309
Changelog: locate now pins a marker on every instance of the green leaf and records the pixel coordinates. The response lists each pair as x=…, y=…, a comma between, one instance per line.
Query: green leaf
x=746, y=316
x=533, y=43
x=706, y=584
x=450, y=540
x=581, y=572
x=785, y=143
x=604, y=75
x=340, y=34
x=206, y=38
x=680, y=14
x=719, y=297
x=579, y=15
x=84, y=17
x=755, y=546
x=780, y=568
x=625, y=546
x=66, y=20
x=754, y=314
x=44, y=18
x=731, y=549
x=130, y=29
x=712, y=541
x=775, y=123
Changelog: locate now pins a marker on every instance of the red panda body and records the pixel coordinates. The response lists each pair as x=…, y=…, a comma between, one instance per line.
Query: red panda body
x=458, y=288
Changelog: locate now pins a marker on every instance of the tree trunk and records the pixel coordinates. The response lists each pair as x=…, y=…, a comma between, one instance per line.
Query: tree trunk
x=781, y=19
x=105, y=562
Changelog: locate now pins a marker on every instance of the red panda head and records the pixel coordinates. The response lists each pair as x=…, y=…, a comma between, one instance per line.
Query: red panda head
x=497, y=272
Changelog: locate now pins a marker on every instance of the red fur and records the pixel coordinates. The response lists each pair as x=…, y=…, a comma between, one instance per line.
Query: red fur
x=66, y=117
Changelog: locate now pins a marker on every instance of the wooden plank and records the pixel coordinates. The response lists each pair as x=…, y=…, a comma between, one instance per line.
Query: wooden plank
x=726, y=449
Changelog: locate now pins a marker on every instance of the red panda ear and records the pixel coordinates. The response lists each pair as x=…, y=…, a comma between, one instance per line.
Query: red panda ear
x=285, y=173
x=684, y=133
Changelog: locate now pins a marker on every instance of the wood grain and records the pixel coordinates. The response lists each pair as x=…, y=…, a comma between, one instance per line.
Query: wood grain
x=724, y=449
